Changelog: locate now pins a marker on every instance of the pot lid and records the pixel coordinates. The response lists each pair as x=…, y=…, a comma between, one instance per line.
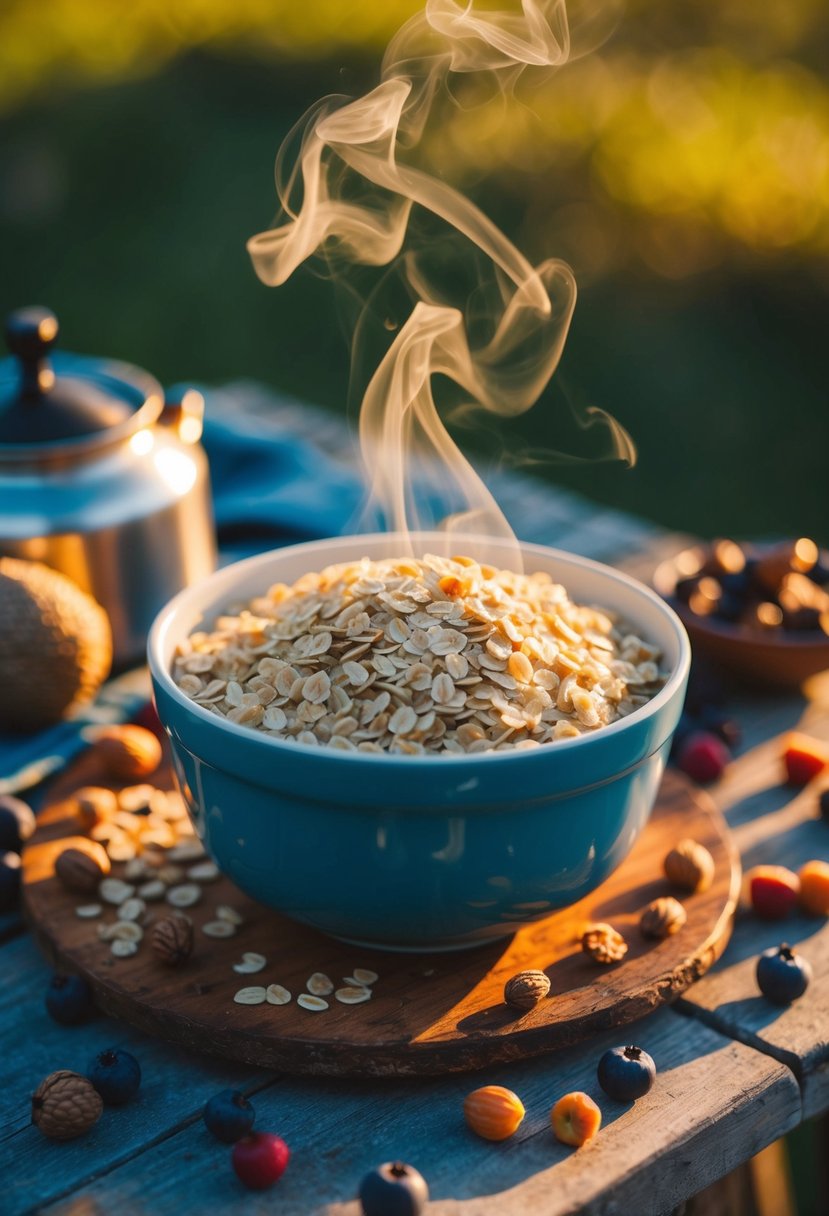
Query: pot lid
x=47, y=398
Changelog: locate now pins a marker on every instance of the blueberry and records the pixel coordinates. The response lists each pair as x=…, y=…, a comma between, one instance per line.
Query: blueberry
x=730, y=607
x=16, y=823
x=782, y=975
x=68, y=999
x=116, y=1075
x=9, y=881
x=626, y=1073
x=229, y=1115
x=393, y=1189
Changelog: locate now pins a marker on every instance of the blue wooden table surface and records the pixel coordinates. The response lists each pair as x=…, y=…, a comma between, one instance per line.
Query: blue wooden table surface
x=733, y=1075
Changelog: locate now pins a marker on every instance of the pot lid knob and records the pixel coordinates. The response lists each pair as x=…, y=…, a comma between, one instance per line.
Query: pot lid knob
x=36, y=404
x=30, y=333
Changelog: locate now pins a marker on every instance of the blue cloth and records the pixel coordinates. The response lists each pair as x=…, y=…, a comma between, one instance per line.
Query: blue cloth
x=273, y=483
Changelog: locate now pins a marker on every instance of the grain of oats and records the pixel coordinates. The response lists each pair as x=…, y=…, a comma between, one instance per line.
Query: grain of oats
x=184, y=896
x=114, y=891
x=250, y=996
x=319, y=984
x=123, y=949
x=354, y=994
x=203, y=871
x=419, y=657
x=218, y=928
x=313, y=1003
x=364, y=977
x=251, y=963
x=152, y=890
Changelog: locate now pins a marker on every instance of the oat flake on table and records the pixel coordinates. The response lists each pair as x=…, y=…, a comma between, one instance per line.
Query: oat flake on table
x=430, y=656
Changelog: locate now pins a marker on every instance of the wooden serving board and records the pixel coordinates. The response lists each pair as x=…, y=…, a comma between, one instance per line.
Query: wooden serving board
x=429, y=1014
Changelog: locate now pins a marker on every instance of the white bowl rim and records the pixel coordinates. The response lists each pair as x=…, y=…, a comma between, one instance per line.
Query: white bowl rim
x=333, y=756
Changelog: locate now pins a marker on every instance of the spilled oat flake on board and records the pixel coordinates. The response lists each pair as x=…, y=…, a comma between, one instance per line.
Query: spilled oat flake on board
x=431, y=656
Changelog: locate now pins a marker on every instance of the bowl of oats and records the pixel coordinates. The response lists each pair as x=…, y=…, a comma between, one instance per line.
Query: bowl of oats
x=418, y=752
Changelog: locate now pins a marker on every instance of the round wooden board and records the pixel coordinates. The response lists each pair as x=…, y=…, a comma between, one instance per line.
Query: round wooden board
x=429, y=1014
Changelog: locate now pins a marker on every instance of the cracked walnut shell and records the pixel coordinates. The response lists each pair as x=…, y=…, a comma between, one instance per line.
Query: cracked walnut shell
x=603, y=943
x=526, y=989
x=690, y=866
x=82, y=865
x=662, y=917
x=66, y=1105
x=173, y=940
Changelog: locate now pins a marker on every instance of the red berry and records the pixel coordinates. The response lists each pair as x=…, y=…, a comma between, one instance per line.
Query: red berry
x=773, y=890
x=703, y=757
x=804, y=757
x=260, y=1160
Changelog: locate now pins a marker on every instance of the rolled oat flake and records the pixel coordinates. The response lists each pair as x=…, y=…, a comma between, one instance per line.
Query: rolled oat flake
x=250, y=996
x=313, y=1003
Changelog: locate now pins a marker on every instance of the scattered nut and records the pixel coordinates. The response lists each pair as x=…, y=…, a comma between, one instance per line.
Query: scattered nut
x=128, y=751
x=219, y=928
x=353, y=994
x=603, y=943
x=89, y=911
x=225, y=912
x=114, y=891
x=690, y=866
x=662, y=917
x=121, y=847
x=94, y=803
x=314, y=1003
x=137, y=868
x=277, y=995
x=137, y=798
x=526, y=989
x=82, y=866
x=66, y=1105
x=172, y=940
x=319, y=984
x=250, y=996
x=185, y=896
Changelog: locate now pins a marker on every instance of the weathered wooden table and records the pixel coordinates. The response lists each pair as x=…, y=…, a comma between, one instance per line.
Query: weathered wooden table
x=734, y=1073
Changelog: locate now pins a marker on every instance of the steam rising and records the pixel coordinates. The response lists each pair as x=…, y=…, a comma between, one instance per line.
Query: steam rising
x=348, y=196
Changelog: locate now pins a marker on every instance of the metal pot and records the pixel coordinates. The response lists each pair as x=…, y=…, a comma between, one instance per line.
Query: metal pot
x=102, y=479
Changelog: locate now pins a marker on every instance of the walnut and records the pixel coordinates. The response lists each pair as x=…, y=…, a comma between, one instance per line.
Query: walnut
x=690, y=866
x=82, y=866
x=662, y=917
x=603, y=943
x=173, y=940
x=526, y=989
x=128, y=752
x=66, y=1105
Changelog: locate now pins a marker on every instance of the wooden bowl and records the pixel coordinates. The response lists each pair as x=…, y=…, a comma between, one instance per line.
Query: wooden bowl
x=773, y=659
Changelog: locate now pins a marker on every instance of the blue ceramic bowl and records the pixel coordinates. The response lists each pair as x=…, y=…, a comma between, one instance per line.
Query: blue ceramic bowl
x=419, y=853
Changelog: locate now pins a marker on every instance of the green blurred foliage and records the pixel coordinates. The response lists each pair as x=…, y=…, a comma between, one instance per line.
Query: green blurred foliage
x=707, y=124
x=682, y=168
